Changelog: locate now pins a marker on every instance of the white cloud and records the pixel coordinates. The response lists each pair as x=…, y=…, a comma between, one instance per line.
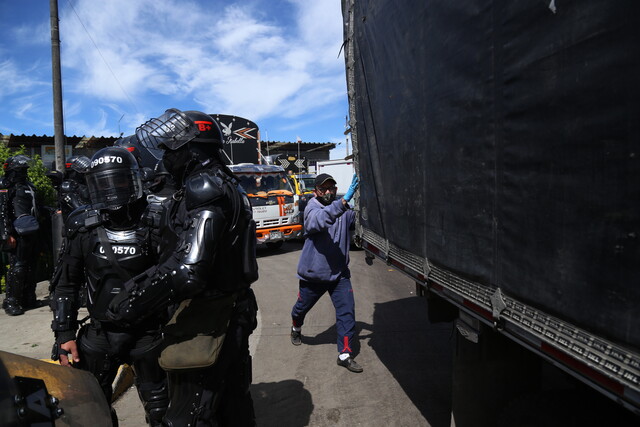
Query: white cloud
x=15, y=80
x=233, y=60
x=96, y=127
x=39, y=34
x=232, y=57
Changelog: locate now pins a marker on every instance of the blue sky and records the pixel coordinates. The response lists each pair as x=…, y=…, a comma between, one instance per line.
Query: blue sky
x=276, y=62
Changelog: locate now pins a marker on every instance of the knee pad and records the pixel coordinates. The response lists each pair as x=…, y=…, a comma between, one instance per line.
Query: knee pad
x=17, y=272
x=21, y=265
x=155, y=400
x=103, y=367
x=190, y=400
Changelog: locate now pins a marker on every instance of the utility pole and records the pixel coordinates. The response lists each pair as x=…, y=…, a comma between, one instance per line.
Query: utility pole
x=298, y=158
x=346, y=132
x=58, y=125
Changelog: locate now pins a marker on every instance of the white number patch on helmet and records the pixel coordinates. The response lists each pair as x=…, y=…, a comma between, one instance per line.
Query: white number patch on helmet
x=106, y=159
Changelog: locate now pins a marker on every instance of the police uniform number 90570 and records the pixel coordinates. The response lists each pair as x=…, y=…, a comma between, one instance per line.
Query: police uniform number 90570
x=106, y=159
x=121, y=250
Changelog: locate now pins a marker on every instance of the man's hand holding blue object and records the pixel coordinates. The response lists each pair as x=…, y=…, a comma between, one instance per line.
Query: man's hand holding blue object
x=352, y=189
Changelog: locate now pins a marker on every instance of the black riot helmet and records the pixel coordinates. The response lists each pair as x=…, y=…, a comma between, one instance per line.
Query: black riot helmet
x=175, y=128
x=76, y=166
x=79, y=164
x=16, y=167
x=19, y=162
x=113, y=178
x=131, y=144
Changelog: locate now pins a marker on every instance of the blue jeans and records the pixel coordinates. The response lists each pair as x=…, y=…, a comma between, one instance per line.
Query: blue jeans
x=341, y=294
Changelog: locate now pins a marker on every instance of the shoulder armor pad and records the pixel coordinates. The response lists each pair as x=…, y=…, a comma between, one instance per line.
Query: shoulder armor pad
x=67, y=186
x=82, y=219
x=202, y=189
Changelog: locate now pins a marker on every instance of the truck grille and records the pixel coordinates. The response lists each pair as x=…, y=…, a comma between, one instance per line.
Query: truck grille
x=272, y=222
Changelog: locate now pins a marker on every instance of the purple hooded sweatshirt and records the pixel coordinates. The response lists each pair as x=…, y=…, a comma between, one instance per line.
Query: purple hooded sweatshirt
x=325, y=254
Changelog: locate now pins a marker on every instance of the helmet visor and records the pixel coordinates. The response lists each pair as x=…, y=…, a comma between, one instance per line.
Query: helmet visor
x=114, y=188
x=169, y=131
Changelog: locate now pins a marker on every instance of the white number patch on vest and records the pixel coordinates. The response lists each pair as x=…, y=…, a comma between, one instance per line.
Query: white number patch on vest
x=120, y=250
x=106, y=159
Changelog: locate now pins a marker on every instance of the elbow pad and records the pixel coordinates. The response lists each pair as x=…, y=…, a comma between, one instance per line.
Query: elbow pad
x=190, y=275
x=197, y=252
x=65, y=316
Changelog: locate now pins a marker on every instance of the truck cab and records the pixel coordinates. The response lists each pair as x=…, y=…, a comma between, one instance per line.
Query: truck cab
x=303, y=185
x=273, y=200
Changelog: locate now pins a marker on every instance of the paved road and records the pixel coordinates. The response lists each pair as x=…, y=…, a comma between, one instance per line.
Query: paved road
x=406, y=361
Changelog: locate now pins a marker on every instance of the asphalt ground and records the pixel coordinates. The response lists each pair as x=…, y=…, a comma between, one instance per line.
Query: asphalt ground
x=406, y=360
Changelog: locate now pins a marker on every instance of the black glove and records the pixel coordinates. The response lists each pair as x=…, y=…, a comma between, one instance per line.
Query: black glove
x=117, y=312
x=56, y=351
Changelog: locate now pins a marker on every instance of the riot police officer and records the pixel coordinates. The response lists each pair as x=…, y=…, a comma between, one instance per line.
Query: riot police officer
x=73, y=191
x=19, y=228
x=207, y=264
x=72, y=194
x=106, y=244
x=163, y=184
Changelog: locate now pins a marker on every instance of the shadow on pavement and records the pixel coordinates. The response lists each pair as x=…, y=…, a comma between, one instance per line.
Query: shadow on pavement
x=417, y=353
x=284, y=403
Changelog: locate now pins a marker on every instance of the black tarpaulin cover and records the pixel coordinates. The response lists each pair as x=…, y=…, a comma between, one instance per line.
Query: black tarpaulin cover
x=501, y=140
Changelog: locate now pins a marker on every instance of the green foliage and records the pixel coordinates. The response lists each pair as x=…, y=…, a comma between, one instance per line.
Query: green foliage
x=5, y=152
x=45, y=193
x=3, y=280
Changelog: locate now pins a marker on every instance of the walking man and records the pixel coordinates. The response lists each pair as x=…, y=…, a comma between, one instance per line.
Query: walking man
x=324, y=264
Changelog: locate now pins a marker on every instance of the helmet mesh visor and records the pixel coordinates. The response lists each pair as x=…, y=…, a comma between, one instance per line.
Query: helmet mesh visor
x=171, y=130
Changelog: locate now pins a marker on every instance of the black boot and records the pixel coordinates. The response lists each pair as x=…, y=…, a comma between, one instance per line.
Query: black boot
x=11, y=302
x=29, y=299
x=13, y=307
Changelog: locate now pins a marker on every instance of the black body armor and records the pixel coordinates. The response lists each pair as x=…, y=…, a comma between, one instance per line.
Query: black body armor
x=24, y=200
x=210, y=220
x=131, y=249
x=19, y=199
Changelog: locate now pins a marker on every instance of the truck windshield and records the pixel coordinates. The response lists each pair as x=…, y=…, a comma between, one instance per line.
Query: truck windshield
x=307, y=184
x=264, y=183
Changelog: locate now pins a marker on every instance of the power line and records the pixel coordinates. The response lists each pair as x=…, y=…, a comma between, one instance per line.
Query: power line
x=102, y=56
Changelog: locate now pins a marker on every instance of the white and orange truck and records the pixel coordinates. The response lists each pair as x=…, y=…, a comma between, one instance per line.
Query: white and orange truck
x=275, y=205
